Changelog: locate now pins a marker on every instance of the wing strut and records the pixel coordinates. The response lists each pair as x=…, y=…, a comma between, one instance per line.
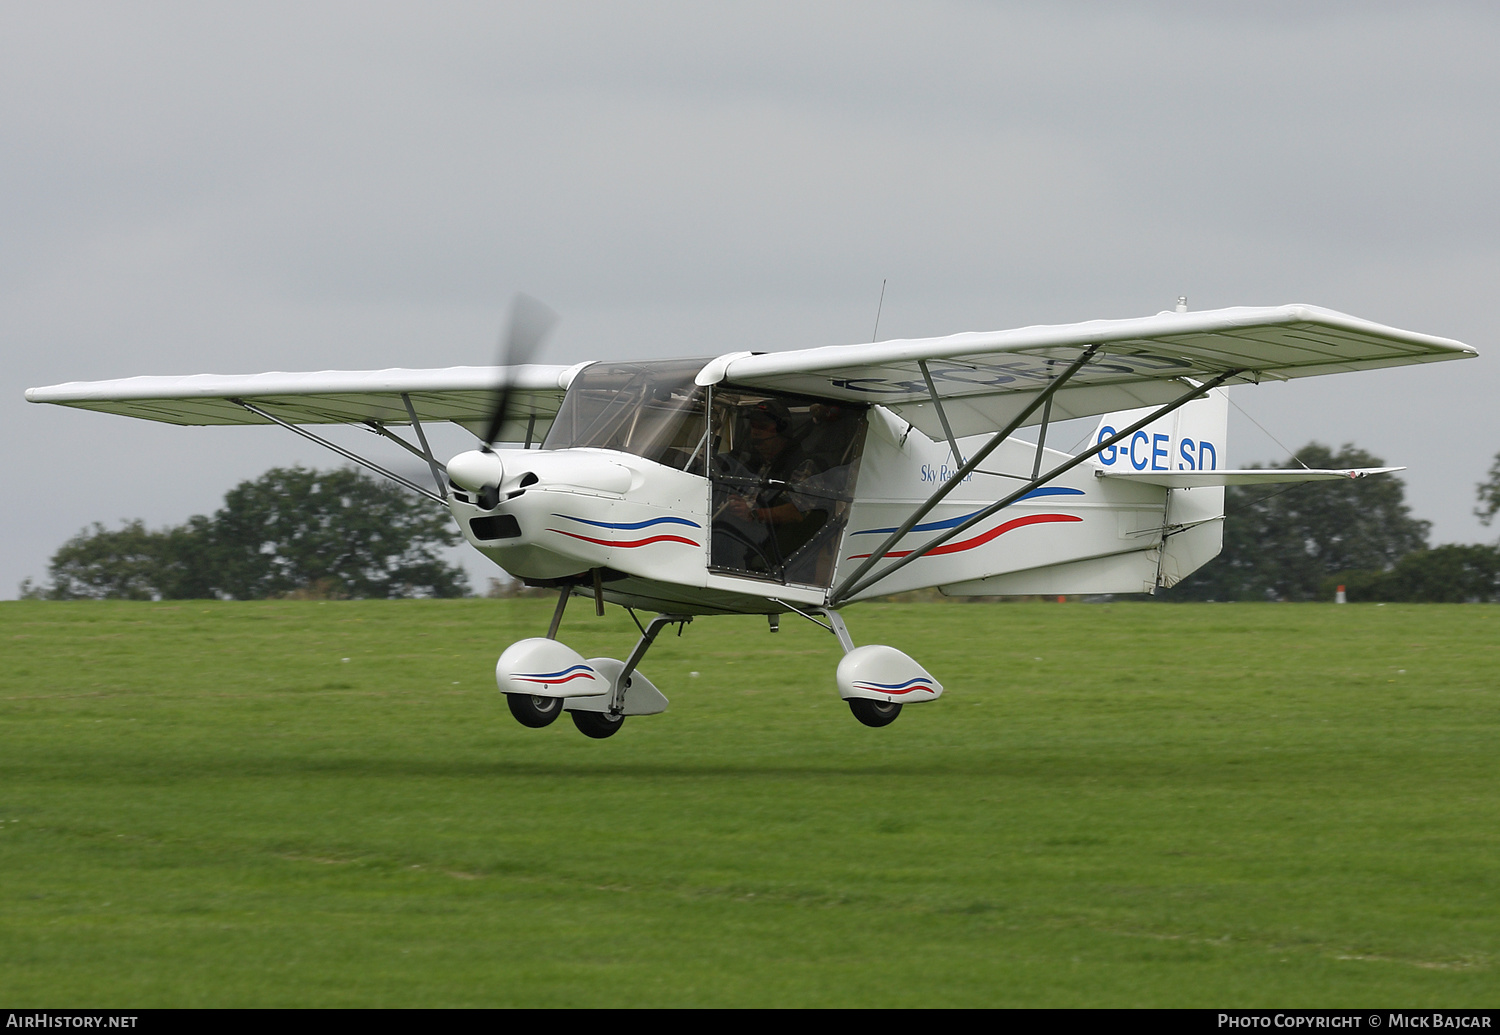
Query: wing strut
x=341, y=451
x=937, y=403
x=432, y=464
x=1041, y=440
x=842, y=591
x=854, y=584
x=424, y=454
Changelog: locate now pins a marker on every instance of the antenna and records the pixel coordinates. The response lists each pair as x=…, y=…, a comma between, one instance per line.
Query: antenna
x=878, y=307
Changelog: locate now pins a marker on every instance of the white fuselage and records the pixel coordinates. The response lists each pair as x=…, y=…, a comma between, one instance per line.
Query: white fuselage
x=648, y=528
x=646, y=525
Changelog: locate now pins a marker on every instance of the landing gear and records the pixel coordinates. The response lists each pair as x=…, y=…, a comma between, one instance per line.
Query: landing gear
x=874, y=713
x=534, y=711
x=600, y=725
x=599, y=692
x=878, y=669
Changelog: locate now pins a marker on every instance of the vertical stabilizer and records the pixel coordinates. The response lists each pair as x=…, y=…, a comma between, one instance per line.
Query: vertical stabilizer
x=1191, y=439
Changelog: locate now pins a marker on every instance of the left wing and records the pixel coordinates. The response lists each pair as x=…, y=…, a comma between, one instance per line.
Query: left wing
x=985, y=379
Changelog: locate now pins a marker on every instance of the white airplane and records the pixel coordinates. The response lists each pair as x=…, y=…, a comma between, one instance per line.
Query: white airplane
x=798, y=482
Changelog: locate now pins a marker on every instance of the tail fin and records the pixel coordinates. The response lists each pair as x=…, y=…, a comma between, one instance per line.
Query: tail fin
x=1192, y=438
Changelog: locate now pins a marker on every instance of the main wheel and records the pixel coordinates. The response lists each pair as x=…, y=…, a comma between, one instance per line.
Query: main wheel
x=874, y=713
x=533, y=711
x=597, y=724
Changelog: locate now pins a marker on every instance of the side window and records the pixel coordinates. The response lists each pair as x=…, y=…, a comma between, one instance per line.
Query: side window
x=783, y=470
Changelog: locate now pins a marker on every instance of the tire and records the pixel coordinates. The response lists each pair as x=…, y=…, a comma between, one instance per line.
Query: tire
x=597, y=725
x=534, y=712
x=874, y=713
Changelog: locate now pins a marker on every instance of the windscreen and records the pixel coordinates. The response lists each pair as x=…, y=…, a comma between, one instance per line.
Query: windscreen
x=653, y=410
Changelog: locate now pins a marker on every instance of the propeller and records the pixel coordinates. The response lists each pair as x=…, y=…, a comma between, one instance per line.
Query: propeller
x=530, y=323
x=479, y=470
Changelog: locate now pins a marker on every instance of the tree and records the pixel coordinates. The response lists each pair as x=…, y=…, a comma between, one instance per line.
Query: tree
x=1489, y=495
x=99, y=564
x=1454, y=574
x=291, y=531
x=331, y=533
x=1281, y=544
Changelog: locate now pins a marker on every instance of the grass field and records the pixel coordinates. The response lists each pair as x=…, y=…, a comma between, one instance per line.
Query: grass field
x=301, y=803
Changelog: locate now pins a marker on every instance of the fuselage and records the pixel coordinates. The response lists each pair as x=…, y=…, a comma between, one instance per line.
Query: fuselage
x=663, y=494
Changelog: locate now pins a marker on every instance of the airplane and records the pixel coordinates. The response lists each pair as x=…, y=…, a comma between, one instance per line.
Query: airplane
x=797, y=482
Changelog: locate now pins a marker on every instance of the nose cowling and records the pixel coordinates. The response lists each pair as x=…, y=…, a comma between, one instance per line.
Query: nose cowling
x=475, y=470
x=479, y=472
x=489, y=478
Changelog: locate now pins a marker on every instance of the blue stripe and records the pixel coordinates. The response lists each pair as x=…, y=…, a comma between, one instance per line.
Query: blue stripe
x=631, y=525
x=933, y=526
x=551, y=675
x=895, y=686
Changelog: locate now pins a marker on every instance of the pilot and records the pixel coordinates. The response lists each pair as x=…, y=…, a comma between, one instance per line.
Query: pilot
x=777, y=518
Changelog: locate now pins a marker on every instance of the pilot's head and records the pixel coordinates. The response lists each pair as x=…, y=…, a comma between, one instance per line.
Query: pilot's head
x=769, y=417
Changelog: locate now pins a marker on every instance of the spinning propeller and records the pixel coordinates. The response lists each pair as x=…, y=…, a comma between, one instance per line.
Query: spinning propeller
x=530, y=323
x=479, y=471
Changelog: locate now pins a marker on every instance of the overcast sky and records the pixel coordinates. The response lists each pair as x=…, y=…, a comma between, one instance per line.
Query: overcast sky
x=189, y=188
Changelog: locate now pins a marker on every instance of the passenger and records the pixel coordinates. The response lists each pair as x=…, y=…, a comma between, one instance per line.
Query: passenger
x=829, y=440
x=829, y=433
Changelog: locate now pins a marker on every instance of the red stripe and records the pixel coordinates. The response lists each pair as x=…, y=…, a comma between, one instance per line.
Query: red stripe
x=980, y=540
x=627, y=545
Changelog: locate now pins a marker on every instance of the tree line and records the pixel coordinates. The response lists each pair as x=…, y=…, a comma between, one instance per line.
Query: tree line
x=1301, y=541
x=342, y=534
x=291, y=532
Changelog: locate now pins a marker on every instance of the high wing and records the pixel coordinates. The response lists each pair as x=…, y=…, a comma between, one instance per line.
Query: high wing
x=462, y=395
x=984, y=379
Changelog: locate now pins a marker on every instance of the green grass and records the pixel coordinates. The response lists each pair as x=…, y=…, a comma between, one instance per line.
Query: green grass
x=205, y=804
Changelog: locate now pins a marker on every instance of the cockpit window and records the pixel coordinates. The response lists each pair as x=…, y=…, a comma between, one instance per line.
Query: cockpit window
x=783, y=469
x=653, y=410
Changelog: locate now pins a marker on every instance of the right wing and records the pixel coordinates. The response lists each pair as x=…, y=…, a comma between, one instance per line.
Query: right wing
x=462, y=395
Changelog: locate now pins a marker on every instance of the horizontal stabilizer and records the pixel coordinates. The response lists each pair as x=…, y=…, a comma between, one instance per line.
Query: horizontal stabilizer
x=1195, y=479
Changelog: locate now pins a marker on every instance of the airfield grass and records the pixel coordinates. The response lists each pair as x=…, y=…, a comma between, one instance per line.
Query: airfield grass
x=328, y=804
